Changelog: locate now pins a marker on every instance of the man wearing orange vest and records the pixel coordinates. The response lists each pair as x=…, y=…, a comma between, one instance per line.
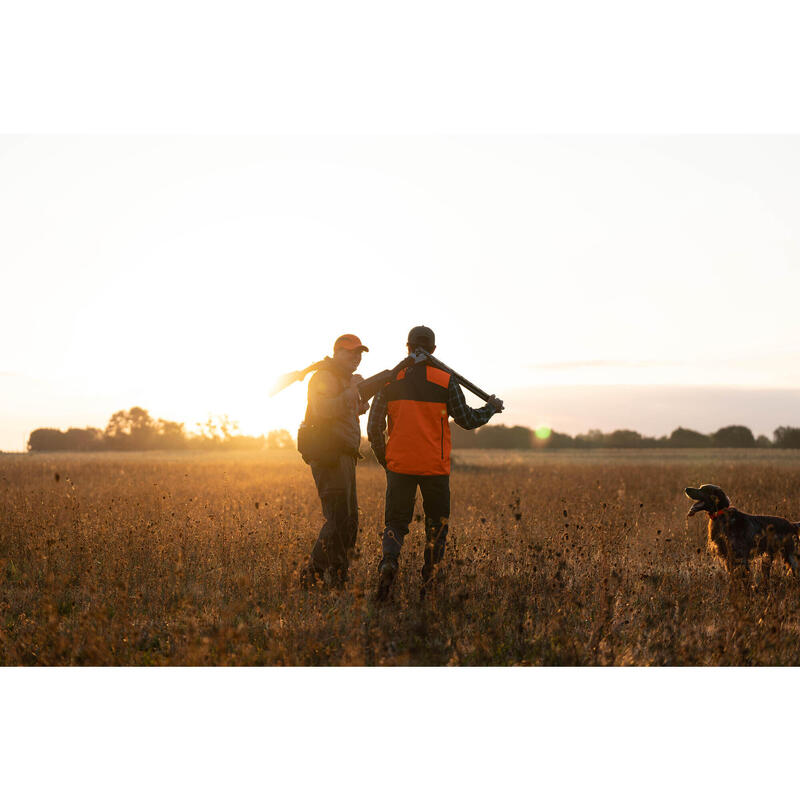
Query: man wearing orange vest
x=417, y=453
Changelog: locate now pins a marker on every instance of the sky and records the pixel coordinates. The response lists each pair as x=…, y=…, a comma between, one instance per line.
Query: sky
x=591, y=281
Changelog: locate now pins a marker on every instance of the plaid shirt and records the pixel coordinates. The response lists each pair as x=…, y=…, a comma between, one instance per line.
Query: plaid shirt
x=464, y=416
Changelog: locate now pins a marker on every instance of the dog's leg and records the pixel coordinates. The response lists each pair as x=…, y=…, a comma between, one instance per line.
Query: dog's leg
x=766, y=566
x=794, y=564
x=741, y=570
x=738, y=564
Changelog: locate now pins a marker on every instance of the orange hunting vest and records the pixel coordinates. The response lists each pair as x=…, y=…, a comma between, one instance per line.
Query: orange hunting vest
x=419, y=434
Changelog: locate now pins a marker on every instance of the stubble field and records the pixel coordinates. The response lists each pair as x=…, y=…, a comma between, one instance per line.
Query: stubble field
x=584, y=559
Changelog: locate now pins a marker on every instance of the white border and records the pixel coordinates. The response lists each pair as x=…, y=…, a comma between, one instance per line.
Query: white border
x=326, y=68
x=425, y=66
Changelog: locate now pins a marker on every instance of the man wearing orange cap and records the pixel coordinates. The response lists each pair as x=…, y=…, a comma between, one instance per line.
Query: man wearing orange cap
x=334, y=406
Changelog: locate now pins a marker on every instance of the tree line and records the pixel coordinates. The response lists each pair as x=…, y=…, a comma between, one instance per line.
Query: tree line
x=521, y=438
x=135, y=429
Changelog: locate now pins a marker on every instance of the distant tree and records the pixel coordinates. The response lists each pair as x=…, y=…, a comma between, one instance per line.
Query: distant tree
x=733, y=436
x=461, y=439
x=763, y=441
x=555, y=441
x=228, y=429
x=83, y=439
x=685, y=437
x=592, y=438
x=560, y=440
x=499, y=436
x=171, y=435
x=623, y=438
x=787, y=437
x=219, y=430
x=44, y=440
x=134, y=429
x=279, y=440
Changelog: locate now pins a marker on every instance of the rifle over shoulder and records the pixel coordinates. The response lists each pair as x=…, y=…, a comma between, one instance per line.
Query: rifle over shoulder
x=369, y=387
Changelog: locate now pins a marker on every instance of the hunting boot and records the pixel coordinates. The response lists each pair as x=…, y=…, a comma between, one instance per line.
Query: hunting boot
x=337, y=577
x=431, y=579
x=310, y=576
x=387, y=569
x=435, y=536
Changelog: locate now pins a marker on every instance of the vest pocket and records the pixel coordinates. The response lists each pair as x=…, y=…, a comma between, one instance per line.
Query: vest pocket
x=441, y=419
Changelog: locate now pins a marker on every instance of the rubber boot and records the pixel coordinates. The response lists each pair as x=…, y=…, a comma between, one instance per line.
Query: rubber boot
x=386, y=573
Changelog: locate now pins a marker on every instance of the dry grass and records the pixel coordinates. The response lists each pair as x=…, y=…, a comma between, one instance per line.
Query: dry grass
x=553, y=559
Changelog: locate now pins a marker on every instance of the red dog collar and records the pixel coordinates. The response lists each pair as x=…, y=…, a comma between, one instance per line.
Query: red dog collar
x=719, y=513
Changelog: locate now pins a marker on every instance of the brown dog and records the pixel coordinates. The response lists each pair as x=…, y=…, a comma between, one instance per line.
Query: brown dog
x=736, y=537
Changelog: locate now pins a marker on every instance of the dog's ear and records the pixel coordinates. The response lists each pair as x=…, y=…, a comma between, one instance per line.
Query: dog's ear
x=719, y=497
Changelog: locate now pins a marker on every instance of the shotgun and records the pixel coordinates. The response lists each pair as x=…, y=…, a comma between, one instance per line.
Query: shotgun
x=371, y=386
x=290, y=377
x=421, y=355
x=366, y=388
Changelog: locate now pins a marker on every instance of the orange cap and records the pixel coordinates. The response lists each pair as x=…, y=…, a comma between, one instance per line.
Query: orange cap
x=348, y=341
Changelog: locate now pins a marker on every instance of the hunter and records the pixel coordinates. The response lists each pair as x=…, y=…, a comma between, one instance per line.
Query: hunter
x=418, y=403
x=329, y=441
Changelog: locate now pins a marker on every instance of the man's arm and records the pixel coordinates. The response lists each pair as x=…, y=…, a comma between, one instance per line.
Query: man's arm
x=363, y=405
x=376, y=425
x=326, y=398
x=464, y=416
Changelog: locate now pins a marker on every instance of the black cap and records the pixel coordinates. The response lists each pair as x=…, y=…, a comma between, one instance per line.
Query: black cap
x=422, y=337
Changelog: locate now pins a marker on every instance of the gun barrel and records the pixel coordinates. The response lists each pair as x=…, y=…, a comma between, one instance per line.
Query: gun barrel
x=467, y=384
x=369, y=387
x=290, y=377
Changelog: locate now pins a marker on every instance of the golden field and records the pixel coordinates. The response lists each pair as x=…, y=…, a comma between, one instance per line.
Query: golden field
x=553, y=558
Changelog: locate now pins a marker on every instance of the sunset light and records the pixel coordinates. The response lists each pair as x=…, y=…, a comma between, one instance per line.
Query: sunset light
x=215, y=265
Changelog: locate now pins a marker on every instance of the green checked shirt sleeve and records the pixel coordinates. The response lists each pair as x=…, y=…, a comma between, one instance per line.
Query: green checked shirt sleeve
x=376, y=427
x=464, y=416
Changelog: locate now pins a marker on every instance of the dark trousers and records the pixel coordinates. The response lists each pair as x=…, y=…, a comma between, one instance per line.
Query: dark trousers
x=336, y=486
x=401, y=493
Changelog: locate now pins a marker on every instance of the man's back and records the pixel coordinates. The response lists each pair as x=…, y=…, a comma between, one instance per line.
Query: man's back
x=418, y=405
x=419, y=433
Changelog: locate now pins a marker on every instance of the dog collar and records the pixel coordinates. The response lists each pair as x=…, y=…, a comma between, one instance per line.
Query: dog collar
x=719, y=513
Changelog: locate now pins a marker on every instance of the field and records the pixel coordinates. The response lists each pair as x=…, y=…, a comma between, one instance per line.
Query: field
x=583, y=559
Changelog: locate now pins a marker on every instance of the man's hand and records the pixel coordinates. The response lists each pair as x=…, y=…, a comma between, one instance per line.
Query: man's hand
x=497, y=404
x=362, y=405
